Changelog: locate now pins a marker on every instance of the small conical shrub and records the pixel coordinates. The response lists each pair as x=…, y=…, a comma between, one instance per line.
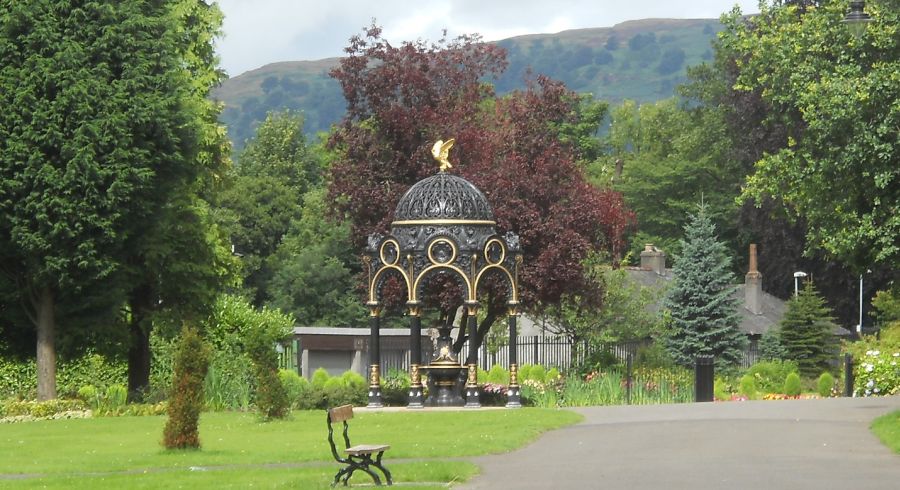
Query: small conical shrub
x=792, y=385
x=186, y=398
x=825, y=384
x=748, y=386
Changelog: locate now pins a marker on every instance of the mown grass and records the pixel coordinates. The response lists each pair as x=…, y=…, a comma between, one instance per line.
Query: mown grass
x=239, y=450
x=887, y=428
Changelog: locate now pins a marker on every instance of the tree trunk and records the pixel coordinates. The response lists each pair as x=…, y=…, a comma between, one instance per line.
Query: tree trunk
x=46, y=345
x=141, y=302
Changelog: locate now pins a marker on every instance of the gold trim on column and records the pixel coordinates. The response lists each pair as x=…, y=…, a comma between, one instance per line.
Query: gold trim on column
x=374, y=309
x=414, y=310
x=415, y=378
x=374, y=376
x=513, y=375
x=472, y=309
x=472, y=379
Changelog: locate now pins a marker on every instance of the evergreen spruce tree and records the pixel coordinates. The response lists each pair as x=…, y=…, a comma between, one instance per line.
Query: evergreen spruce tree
x=806, y=331
x=702, y=301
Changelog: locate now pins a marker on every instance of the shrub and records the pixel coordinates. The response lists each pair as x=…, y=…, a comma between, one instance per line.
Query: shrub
x=770, y=375
x=394, y=387
x=747, y=387
x=654, y=355
x=271, y=397
x=186, y=400
x=720, y=390
x=497, y=375
x=552, y=375
x=354, y=380
x=320, y=377
x=15, y=410
x=792, y=384
x=114, y=400
x=537, y=373
x=336, y=393
x=878, y=373
x=825, y=384
x=89, y=395
x=524, y=372
x=293, y=385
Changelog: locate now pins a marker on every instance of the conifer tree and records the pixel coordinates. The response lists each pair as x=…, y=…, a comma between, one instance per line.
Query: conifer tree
x=702, y=305
x=805, y=331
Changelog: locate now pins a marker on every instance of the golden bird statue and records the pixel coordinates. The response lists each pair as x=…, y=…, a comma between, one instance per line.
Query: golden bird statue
x=441, y=151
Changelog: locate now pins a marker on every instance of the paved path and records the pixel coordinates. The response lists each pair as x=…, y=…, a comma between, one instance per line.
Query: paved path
x=787, y=444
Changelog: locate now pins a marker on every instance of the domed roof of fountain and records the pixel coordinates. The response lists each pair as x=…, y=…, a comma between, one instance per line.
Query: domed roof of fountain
x=443, y=197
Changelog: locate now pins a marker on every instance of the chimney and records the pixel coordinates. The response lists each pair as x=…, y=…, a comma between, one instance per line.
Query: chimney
x=653, y=259
x=753, y=285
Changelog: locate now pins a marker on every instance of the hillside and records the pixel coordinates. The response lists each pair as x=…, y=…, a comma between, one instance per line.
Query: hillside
x=642, y=60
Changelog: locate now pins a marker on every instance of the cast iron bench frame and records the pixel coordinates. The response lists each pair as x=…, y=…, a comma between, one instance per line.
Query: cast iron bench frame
x=359, y=457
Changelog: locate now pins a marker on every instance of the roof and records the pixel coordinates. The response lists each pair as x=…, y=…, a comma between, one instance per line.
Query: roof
x=751, y=324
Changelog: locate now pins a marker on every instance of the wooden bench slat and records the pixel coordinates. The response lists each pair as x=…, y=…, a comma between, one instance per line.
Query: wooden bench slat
x=342, y=413
x=366, y=449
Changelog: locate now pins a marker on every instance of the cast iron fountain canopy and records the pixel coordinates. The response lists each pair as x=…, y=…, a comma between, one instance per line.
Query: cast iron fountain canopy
x=443, y=225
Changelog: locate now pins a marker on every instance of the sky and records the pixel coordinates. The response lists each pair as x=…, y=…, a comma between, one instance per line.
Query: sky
x=258, y=32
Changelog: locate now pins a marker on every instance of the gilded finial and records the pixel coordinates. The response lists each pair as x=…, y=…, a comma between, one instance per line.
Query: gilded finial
x=441, y=151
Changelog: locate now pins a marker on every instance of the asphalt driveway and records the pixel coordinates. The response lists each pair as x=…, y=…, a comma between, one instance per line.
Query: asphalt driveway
x=787, y=444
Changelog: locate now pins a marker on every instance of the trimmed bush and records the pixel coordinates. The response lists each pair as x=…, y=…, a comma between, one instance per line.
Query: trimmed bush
x=319, y=378
x=497, y=375
x=770, y=375
x=748, y=387
x=825, y=384
x=792, y=385
x=186, y=400
x=537, y=373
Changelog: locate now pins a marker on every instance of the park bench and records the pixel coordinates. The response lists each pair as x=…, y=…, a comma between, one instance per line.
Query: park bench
x=358, y=457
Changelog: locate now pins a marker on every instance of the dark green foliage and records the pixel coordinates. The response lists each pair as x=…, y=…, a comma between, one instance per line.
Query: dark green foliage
x=806, y=331
x=770, y=348
x=186, y=398
x=702, y=308
x=792, y=385
x=825, y=384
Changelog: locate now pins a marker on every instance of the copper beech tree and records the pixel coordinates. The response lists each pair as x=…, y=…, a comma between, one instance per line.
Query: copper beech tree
x=401, y=99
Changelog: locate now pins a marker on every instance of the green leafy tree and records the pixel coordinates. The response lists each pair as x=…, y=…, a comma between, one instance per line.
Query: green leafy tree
x=839, y=165
x=702, y=306
x=98, y=129
x=623, y=313
x=806, y=332
x=275, y=169
x=314, y=269
x=678, y=156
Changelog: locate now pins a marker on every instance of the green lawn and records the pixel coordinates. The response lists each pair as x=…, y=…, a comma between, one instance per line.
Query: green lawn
x=887, y=428
x=239, y=451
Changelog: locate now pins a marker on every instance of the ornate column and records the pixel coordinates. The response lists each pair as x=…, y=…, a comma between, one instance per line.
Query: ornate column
x=472, y=395
x=375, y=400
x=416, y=392
x=513, y=393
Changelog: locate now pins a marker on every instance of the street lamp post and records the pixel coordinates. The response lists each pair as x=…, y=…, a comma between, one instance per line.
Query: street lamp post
x=860, y=325
x=797, y=276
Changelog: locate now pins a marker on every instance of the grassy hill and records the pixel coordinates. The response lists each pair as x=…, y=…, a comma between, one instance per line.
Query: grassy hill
x=642, y=60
